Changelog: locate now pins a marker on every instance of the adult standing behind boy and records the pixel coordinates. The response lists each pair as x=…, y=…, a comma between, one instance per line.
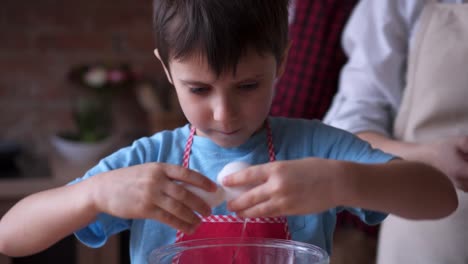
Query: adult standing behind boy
x=404, y=90
x=310, y=78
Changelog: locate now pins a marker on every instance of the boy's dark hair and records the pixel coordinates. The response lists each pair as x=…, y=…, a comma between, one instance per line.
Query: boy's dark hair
x=220, y=30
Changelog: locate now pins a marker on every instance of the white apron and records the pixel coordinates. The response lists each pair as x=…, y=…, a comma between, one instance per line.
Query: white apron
x=434, y=106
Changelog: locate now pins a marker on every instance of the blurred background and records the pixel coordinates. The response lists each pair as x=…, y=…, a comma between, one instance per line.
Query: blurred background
x=42, y=42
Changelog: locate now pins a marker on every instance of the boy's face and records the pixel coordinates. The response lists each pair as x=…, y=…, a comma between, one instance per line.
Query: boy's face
x=228, y=109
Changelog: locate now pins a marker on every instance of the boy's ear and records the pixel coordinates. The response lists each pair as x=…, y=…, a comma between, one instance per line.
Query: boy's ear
x=282, y=63
x=166, y=70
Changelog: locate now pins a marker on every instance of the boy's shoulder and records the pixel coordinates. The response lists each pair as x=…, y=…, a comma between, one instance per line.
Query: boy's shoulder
x=294, y=121
x=150, y=148
x=299, y=132
x=299, y=124
x=322, y=140
x=181, y=131
x=159, y=138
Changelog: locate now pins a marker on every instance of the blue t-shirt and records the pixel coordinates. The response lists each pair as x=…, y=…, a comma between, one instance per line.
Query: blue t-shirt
x=292, y=139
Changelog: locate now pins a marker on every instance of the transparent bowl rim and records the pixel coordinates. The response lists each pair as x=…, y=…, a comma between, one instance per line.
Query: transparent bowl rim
x=169, y=250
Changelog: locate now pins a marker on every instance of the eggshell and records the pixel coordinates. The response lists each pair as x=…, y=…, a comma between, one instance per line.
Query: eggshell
x=213, y=199
x=232, y=167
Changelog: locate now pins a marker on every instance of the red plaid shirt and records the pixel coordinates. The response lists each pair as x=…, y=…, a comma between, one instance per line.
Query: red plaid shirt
x=315, y=58
x=310, y=80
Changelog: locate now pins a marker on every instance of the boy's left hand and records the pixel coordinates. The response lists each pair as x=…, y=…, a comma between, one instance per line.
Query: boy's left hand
x=284, y=188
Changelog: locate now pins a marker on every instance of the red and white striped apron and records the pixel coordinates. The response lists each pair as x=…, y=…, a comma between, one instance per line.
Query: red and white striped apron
x=219, y=226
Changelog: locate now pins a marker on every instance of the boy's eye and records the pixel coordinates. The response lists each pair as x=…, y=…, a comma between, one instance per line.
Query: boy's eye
x=198, y=90
x=249, y=86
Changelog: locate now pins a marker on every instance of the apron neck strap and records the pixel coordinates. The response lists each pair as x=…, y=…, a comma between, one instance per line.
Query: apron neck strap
x=188, y=144
x=271, y=147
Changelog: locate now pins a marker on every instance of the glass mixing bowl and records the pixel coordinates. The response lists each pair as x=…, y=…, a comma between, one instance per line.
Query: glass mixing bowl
x=239, y=250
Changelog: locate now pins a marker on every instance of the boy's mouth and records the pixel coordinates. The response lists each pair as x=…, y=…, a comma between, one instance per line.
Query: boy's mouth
x=231, y=132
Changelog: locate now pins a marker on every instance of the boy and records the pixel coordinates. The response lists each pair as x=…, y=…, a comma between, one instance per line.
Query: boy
x=222, y=58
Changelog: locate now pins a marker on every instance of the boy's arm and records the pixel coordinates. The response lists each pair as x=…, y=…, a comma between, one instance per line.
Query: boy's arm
x=40, y=220
x=151, y=190
x=408, y=189
x=447, y=154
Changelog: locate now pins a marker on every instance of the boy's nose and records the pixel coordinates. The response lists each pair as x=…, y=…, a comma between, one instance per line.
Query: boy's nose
x=225, y=110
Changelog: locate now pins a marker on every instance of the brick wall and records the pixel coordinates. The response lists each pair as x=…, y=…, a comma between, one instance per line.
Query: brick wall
x=40, y=40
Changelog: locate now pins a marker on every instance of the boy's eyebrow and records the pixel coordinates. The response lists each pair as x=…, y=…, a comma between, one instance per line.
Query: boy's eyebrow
x=195, y=82
x=192, y=82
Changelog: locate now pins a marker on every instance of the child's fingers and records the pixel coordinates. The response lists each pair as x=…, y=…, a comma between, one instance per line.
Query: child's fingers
x=264, y=209
x=250, y=176
x=192, y=177
x=249, y=199
x=176, y=208
x=163, y=216
x=192, y=201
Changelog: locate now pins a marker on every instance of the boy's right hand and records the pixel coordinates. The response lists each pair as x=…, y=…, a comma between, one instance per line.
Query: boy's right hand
x=152, y=191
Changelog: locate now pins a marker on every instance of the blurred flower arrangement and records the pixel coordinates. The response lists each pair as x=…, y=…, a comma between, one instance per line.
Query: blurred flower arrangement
x=98, y=85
